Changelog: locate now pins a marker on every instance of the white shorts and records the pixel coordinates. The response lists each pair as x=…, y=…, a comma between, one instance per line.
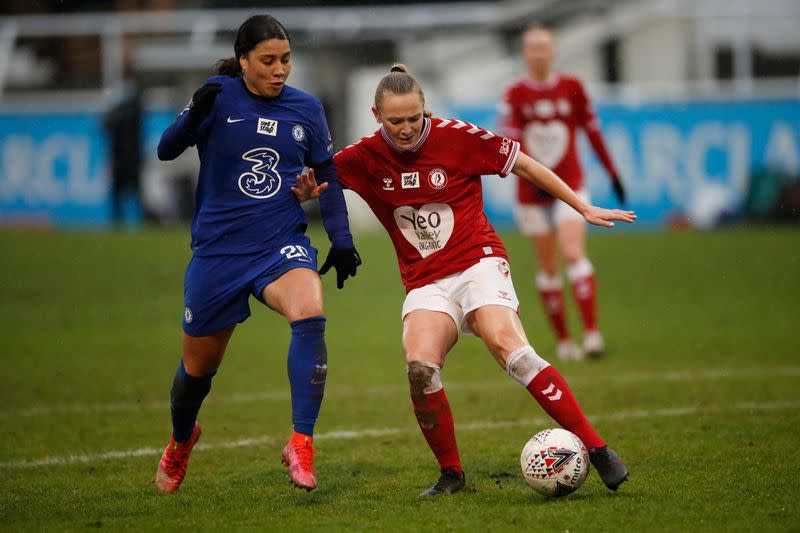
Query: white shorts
x=487, y=282
x=535, y=219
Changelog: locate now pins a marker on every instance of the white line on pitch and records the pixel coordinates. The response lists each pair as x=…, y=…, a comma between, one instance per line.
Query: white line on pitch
x=380, y=432
x=713, y=374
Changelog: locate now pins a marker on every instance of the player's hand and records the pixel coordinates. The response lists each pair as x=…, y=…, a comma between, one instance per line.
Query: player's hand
x=619, y=190
x=307, y=187
x=603, y=217
x=202, y=100
x=344, y=260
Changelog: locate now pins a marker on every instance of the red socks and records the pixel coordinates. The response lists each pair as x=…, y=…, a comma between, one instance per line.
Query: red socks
x=553, y=394
x=581, y=277
x=436, y=422
x=553, y=302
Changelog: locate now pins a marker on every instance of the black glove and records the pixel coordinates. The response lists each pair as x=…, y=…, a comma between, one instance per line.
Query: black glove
x=202, y=100
x=344, y=260
x=619, y=191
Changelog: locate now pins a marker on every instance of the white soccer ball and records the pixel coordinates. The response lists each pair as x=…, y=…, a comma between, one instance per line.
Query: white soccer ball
x=554, y=462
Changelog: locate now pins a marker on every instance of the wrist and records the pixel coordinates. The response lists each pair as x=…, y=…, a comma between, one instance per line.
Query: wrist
x=583, y=208
x=195, y=117
x=342, y=241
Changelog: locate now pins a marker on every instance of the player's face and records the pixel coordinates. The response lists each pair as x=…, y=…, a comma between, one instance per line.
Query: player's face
x=401, y=116
x=538, y=50
x=266, y=67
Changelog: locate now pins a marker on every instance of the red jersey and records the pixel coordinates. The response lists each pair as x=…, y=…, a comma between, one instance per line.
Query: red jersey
x=543, y=117
x=429, y=198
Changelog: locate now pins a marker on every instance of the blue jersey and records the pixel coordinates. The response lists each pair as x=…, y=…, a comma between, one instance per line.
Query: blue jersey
x=251, y=150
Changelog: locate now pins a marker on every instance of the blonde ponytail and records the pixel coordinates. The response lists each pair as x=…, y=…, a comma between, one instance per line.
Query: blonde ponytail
x=399, y=81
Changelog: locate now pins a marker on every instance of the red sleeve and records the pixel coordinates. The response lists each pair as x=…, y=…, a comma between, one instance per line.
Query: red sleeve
x=508, y=119
x=350, y=168
x=482, y=151
x=588, y=121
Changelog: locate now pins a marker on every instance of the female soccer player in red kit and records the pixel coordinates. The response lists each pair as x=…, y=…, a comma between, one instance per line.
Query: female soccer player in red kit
x=542, y=111
x=421, y=178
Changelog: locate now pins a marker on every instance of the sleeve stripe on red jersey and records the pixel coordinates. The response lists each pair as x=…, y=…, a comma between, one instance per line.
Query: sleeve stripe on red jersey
x=473, y=129
x=512, y=158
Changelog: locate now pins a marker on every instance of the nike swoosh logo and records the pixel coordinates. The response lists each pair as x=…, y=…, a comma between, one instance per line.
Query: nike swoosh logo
x=232, y=120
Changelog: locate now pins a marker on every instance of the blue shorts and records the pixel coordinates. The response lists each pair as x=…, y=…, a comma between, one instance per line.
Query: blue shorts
x=216, y=289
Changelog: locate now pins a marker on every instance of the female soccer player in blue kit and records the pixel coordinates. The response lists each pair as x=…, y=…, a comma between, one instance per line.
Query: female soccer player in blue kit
x=254, y=135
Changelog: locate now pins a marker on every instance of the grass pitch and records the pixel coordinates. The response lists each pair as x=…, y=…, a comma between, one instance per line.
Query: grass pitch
x=700, y=394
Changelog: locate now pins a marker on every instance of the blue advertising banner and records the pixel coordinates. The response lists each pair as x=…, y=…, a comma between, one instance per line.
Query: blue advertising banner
x=54, y=166
x=53, y=169
x=690, y=160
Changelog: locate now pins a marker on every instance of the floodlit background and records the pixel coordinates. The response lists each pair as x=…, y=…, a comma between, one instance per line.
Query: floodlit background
x=698, y=99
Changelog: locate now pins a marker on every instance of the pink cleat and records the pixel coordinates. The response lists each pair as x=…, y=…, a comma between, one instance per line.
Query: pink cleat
x=172, y=467
x=298, y=457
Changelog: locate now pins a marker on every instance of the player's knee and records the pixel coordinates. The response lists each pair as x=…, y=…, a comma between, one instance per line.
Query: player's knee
x=202, y=356
x=501, y=340
x=202, y=364
x=524, y=363
x=423, y=377
x=303, y=310
x=573, y=254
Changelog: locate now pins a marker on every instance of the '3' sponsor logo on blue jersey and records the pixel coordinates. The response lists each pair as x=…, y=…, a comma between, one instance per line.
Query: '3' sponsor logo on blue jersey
x=251, y=150
x=263, y=179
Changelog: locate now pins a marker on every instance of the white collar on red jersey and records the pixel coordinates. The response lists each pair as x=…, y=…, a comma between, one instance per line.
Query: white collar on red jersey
x=426, y=129
x=549, y=83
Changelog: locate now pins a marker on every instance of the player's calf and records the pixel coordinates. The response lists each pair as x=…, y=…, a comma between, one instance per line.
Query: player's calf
x=435, y=419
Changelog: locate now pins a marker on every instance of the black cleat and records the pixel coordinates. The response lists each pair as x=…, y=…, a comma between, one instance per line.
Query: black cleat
x=449, y=482
x=612, y=470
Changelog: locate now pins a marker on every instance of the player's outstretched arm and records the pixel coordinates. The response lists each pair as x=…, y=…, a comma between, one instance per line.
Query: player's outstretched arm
x=527, y=168
x=183, y=132
x=342, y=256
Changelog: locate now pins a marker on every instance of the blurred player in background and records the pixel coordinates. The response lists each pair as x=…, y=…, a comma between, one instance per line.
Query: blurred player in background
x=254, y=135
x=542, y=111
x=421, y=177
x=123, y=124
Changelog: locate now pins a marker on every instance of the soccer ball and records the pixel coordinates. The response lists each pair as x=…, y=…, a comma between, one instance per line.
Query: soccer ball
x=554, y=462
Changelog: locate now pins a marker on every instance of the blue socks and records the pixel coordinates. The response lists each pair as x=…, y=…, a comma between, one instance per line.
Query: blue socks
x=308, y=368
x=185, y=399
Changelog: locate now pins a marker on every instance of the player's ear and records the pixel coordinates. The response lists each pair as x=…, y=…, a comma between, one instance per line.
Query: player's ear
x=243, y=62
x=376, y=114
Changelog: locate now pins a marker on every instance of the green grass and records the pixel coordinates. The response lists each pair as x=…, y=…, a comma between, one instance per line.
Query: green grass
x=701, y=321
